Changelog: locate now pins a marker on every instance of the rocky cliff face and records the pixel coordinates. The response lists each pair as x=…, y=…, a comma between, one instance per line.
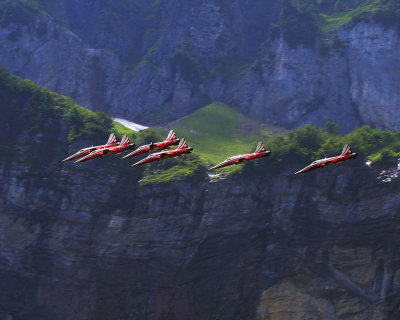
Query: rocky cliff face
x=88, y=242
x=157, y=61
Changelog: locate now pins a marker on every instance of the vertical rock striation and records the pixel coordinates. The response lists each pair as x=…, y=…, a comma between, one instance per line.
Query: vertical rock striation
x=88, y=242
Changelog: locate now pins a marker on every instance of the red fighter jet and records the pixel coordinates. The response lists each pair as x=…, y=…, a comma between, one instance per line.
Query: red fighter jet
x=112, y=141
x=260, y=151
x=345, y=155
x=171, y=139
x=101, y=153
x=180, y=150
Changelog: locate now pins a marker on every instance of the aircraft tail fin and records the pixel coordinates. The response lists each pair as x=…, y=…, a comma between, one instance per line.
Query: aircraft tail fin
x=183, y=144
x=346, y=150
x=171, y=136
x=260, y=148
x=112, y=139
x=125, y=140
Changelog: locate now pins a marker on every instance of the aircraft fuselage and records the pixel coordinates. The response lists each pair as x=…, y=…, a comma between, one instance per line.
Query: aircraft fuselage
x=241, y=158
x=327, y=162
x=106, y=152
x=86, y=151
x=164, y=155
x=152, y=147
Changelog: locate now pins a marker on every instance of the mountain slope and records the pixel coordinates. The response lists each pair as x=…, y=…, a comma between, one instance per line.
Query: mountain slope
x=286, y=63
x=217, y=131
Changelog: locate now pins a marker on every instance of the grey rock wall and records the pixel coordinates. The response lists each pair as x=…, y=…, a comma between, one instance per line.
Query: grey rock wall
x=88, y=242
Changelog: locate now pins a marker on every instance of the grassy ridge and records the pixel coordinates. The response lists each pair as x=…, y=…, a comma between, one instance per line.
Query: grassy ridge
x=188, y=166
x=333, y=21
x=303, y=22
x=216, y=132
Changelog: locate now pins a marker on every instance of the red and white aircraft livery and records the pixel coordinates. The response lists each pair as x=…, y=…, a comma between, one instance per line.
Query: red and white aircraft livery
x=345, y=155
x=260, y=151
x=125, y=144
x=171, y=139
x=180, y=150
x=112, y=141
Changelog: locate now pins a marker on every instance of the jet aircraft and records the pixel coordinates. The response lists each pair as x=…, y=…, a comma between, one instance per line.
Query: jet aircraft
x=112, y=141
x=171, y=139
x=345, y=155
x=180, y=150
x=260, y=151
x=124, y=145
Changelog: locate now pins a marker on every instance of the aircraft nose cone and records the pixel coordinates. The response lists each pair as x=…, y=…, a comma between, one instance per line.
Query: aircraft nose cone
x=80, y=160
x=69, y=158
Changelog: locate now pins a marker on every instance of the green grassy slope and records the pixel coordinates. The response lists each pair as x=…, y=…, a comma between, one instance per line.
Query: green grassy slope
x=335, y=20
x=217, y=131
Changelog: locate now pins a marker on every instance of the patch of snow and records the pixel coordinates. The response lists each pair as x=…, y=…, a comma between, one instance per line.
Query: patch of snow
x=130, y=125
x=215, y=177
x=389, y=175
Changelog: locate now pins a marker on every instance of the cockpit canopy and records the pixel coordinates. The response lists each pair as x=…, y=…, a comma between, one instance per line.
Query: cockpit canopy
x=154, y=154
x=86, y=149
x=233, y=158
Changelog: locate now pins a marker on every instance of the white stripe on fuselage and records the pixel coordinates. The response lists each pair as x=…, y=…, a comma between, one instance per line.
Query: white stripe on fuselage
x=323, y=160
